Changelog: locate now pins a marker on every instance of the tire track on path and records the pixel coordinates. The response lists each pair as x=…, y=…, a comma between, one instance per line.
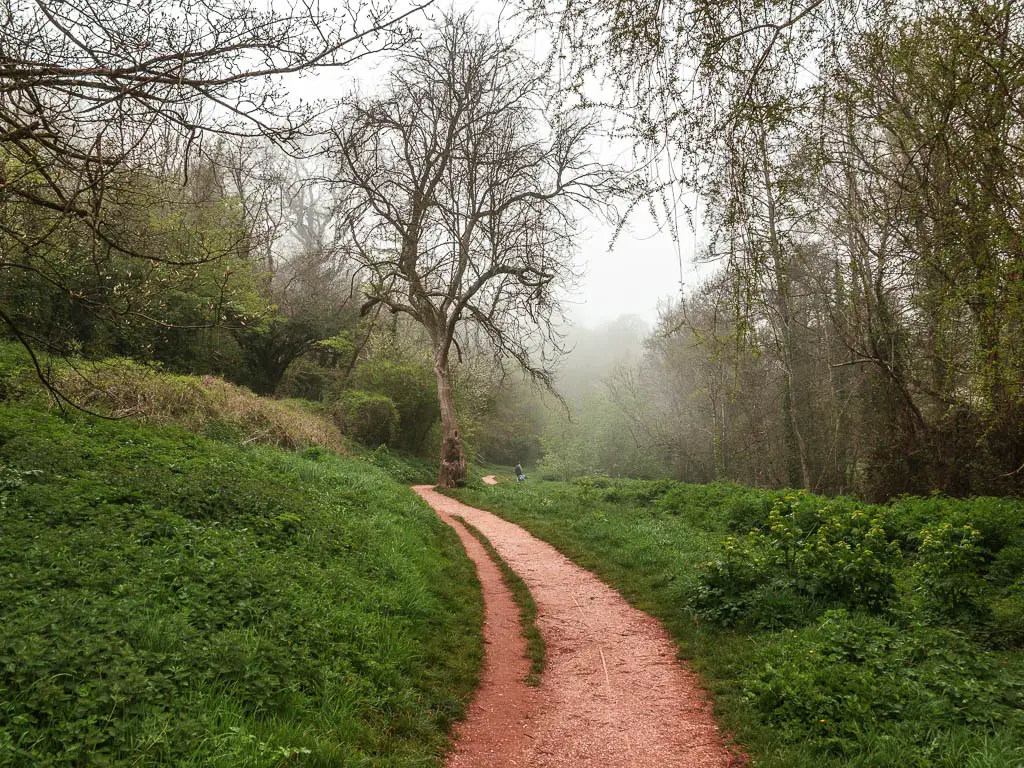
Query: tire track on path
x=613, y=694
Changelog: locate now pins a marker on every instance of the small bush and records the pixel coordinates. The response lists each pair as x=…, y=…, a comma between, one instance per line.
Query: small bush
x=412, y=387
x=805, y=557
x=745, y=511
x=641, y=492
x=1008, y=565
x=307, y=380
x=947, y=570
x=369, y=418
x=701, y=505
x=1007, y=627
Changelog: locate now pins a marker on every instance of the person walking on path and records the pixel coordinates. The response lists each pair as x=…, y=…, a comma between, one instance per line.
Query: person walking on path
x=520, y=475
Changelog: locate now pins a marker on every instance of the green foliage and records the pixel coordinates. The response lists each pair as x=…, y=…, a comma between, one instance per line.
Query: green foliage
x=947, y=569
x=412, y=387
x=1007, y=628
x=407, y=470
x=802, y=560
x=188, y=269
x=639, y=492
x=171, y=600
x=370, y=418
x=852, y=673
x=18, y=378
x=831, y=633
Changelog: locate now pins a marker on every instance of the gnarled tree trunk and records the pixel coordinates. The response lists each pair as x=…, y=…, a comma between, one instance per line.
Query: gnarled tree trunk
x=453, y=460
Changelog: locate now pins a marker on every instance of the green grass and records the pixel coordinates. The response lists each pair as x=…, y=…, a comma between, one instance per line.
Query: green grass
x=167, y=599
x=535, y=647
x=403, y=467
x=830, y=633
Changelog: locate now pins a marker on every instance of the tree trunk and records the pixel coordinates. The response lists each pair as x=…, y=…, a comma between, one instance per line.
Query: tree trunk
x=796, y=447
x=453, y=460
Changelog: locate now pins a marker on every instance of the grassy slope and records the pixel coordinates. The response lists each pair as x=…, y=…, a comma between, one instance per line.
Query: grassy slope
x=166, y=599
x=844, y=689
x=123, y=388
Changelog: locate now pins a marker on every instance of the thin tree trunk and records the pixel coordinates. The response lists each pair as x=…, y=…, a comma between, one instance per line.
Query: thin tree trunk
x=796, y=447
x=453, y=460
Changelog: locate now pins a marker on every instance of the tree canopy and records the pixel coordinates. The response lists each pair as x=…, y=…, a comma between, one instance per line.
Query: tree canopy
x=461, y=191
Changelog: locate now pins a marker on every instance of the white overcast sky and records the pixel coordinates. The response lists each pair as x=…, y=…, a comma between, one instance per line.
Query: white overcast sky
x=644, y=267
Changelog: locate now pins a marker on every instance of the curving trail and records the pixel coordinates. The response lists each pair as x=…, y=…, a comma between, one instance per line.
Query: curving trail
x=489, y=480
x=613, y=694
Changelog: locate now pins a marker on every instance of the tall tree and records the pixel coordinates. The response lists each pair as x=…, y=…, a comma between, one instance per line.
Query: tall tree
x=461, y=195
x=102, y=104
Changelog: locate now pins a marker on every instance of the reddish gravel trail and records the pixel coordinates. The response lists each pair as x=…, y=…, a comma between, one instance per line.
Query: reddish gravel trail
x=613, y=694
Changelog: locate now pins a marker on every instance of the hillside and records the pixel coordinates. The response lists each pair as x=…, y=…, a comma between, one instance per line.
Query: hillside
x=167, y=598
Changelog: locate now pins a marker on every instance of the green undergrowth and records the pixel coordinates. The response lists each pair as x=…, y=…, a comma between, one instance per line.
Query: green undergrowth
x=167, y=599
x=535, y=647
x=402, y=467
x=830, y=632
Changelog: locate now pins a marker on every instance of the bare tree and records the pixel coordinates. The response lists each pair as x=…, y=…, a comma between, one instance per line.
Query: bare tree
x=103, y=103
x=461, y=197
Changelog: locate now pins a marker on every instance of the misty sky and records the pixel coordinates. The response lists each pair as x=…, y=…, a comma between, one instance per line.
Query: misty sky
x=641, y=270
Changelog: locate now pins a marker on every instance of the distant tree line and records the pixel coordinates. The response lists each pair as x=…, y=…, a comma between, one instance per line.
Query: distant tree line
x=861, y=169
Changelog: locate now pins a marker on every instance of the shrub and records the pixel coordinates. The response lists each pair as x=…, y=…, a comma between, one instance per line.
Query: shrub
x=1007, y=622
x=848, y=559
x=1008, y=565
x=639, y=492
x=947, y=570
x=412, y=387
x=742, y=587
x=703, y=505
x=307, y=380
x=745, y=511
x=17, y=375
x=370, y=418
x=805, y=557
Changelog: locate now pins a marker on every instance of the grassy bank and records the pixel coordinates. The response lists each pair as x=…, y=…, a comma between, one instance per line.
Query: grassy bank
x=831, y=633
x=167, y=599
x=122, y=388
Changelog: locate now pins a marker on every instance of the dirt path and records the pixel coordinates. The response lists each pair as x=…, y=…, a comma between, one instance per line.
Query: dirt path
x=613, y=694
x=490, y=480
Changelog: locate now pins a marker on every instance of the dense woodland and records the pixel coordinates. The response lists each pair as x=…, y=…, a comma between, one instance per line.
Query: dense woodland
x=863, y=330
x=399, y=257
